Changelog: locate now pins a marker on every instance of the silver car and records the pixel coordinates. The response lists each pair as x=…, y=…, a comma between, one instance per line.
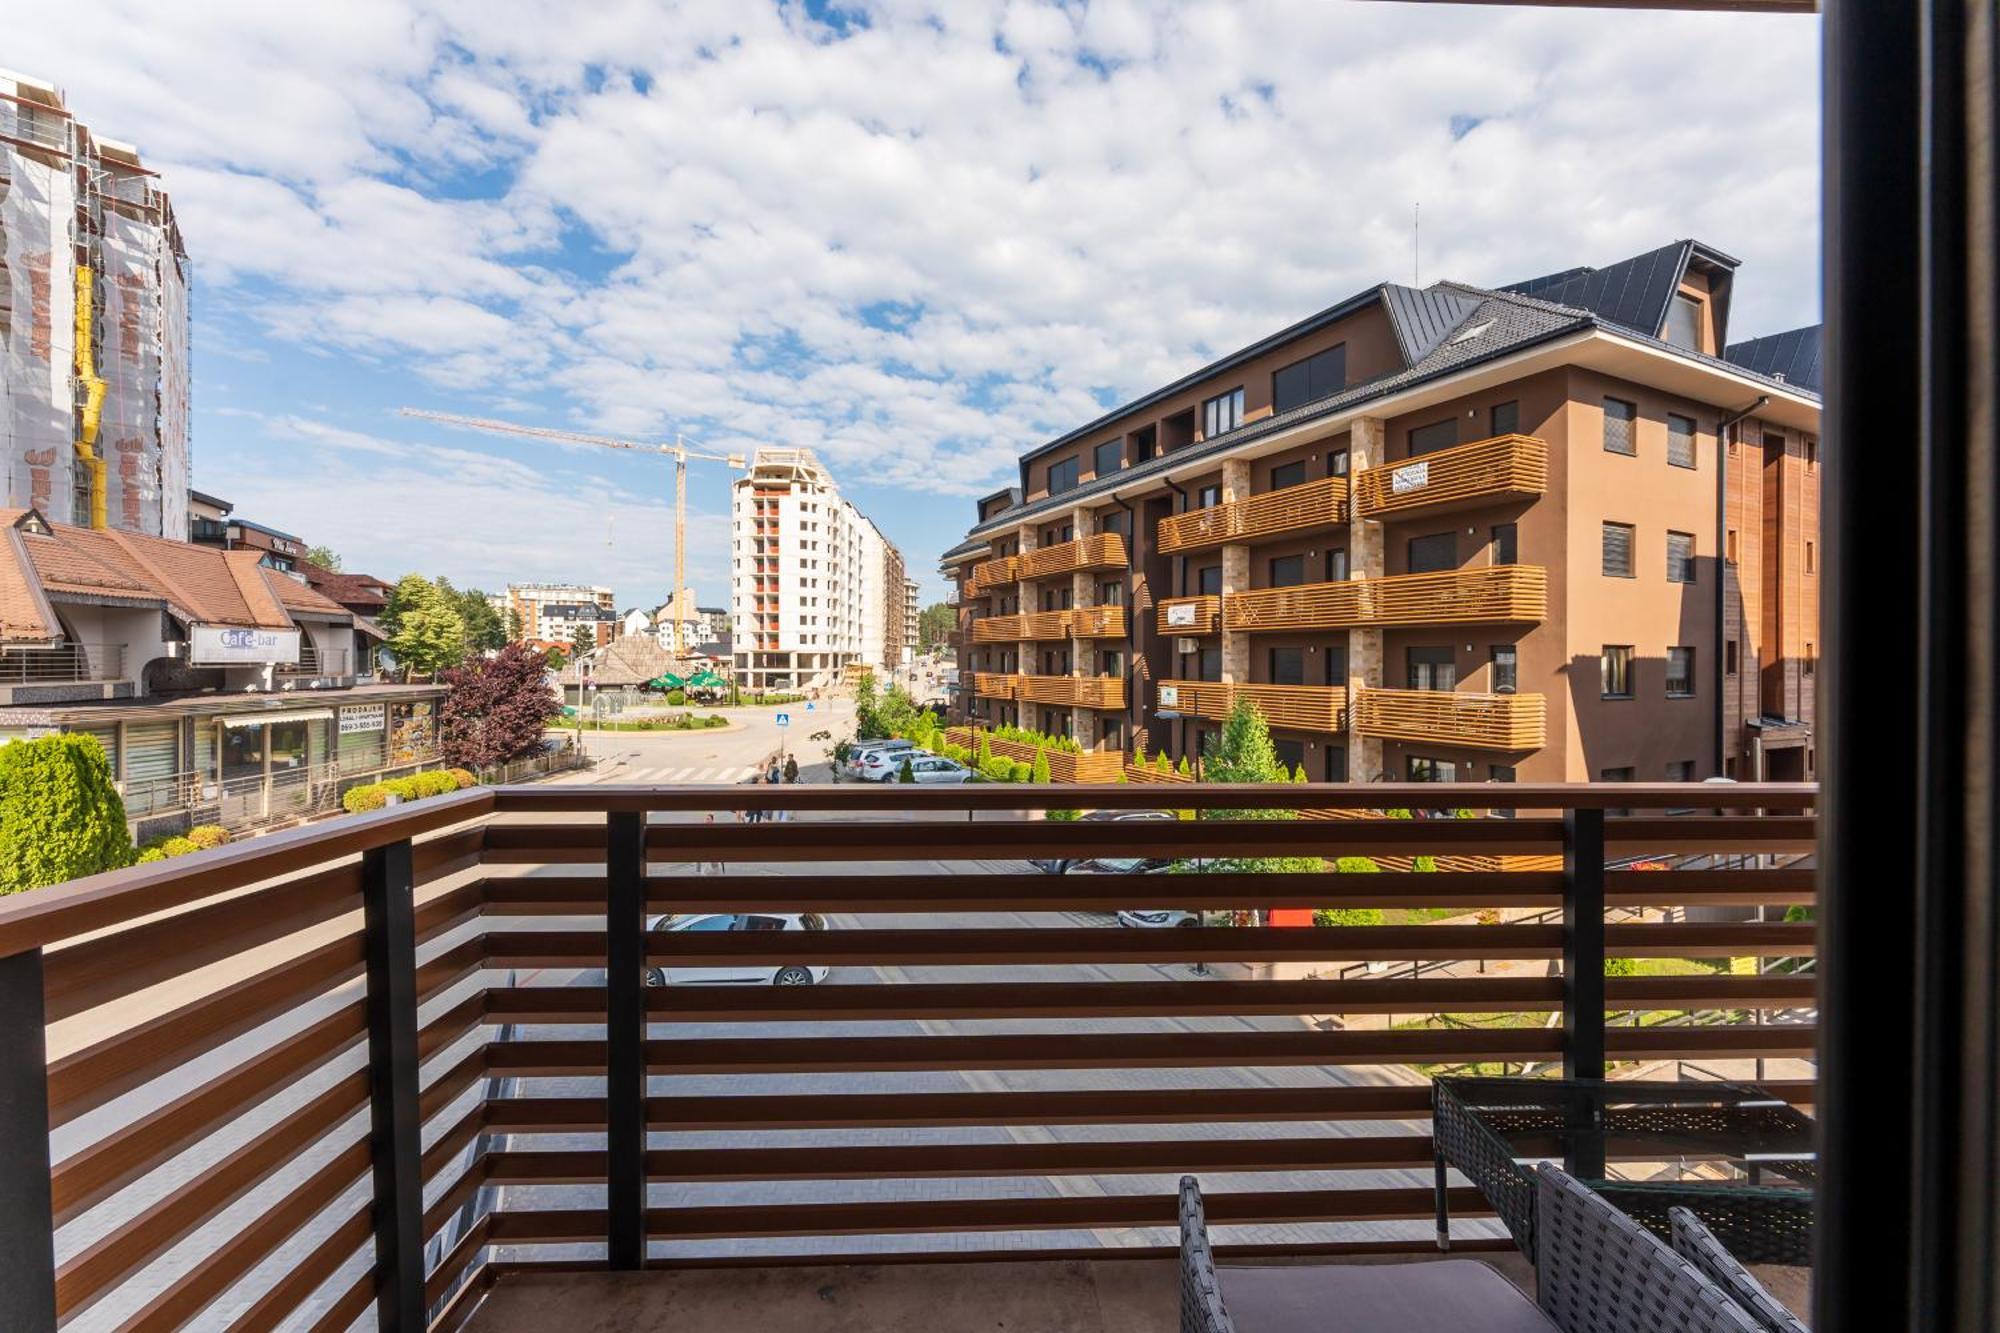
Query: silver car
x=857, y=758
x=754, y=974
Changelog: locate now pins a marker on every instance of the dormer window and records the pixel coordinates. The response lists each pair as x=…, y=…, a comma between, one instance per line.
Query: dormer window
x=1684, y=323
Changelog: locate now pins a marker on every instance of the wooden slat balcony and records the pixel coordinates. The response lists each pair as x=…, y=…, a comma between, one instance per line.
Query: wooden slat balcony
x=139, y=981
x=1487, y=595
x=1104, y=550
x=1190, y=615
x=1506, y=467
x=1320, y=708
x=996, y=573
x=1076, y=691
x=1098, y=622
x=1454, y=717
x=1033, y=625
x=1308, y=507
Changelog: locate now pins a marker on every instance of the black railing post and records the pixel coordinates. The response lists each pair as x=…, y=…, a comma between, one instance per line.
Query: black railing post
x=625, y=1036
x=1583, y=974
x=395, y=1123
x=27, y=1211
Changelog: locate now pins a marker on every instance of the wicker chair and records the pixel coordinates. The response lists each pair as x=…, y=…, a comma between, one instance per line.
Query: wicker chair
x=1597, y=1272
x=1698, y=1245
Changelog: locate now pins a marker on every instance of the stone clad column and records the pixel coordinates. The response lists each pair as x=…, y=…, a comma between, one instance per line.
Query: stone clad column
x=1083, y=652
x=1235, y=576
x=1366, y=560
x=1027, y=656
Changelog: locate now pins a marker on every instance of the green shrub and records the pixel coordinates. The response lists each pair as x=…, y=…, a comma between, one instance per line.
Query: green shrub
x=1065, y=816
x=1347, y=916
x=1039, y=770
x=1355, y=865
x=1621, y=967
x=368, y=796
x=60, y=814
x=463, y=777
x=179, y=845
x=151, y=854
x=205, y=836
x=677, y=698
x=905, y=773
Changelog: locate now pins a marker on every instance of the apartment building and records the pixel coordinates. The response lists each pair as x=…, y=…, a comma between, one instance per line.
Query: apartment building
x=553, y=612
x=1562, y=530
x=94, y=367
x=815, y=587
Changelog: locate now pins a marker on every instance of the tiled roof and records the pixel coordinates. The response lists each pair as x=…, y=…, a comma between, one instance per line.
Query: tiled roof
x=197, y=584
x=349, y=590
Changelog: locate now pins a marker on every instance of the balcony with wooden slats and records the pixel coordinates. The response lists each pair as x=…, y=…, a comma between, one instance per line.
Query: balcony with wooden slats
x=1488, y=595
x=1454, y=717
x=1320, y=708
x=1104, y=550
x=1070, y=691
x=996, y=573
x=1014, y=629
x=1190, y=615
x=660, y=1095
x=1308, y=507
x=1098, y=622
x=1506, y=467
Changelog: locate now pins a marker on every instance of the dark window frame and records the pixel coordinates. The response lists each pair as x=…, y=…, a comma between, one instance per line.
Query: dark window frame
x=1693, y=452
x=1309, y=379
x=1222, y=413
x=1689, y=686
x=1681, y=570
x=1631, y=531
x=1065, y=476
x=1615, y=670
x=1097, y=459
x=1627, y=415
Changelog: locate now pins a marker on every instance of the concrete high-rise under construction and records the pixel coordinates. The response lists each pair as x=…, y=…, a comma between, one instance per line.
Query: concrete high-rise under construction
x=93, y=324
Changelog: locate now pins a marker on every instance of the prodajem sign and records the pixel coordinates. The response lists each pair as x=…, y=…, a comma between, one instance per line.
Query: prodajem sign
x=1181, y=613
x=229, y=645
x=1410, y=477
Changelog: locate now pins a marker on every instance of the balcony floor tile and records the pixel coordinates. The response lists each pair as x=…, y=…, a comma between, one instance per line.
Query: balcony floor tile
x=1058, y=1296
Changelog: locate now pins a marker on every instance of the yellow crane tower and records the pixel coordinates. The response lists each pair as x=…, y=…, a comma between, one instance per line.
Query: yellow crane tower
x=677, y=451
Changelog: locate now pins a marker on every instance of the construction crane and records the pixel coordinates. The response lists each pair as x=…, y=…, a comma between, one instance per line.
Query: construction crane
x=677, y=451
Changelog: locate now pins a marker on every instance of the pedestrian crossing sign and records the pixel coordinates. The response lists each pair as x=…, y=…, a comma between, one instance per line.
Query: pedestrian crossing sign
x=784, y=719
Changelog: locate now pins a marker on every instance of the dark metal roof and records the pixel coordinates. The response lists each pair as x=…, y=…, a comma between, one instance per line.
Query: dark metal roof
x=1359, y=301
x=1792, y=356
x=1633, y=292
x=1423, y=319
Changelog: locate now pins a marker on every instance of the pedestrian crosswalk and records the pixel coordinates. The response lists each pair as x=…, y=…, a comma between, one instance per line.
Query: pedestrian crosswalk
x=669, y=775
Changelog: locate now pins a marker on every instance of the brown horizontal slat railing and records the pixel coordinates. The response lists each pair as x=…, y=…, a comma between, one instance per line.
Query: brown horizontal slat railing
x=1506, y=467
x=1454, y=717
x=1321, y=708
x=1486, y=595
x=1190, y=615
x=1311, y=506
x=264, y=1054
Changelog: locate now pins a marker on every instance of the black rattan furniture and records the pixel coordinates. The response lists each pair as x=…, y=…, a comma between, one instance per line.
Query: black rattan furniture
x=1698, y=1245
x=1741, y=1158
x=1600, y=1272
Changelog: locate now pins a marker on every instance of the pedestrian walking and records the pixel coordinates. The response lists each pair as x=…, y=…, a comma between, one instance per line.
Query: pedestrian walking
x=792, y=768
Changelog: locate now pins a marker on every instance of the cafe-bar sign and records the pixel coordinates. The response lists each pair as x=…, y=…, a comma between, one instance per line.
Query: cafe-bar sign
x=228, y=645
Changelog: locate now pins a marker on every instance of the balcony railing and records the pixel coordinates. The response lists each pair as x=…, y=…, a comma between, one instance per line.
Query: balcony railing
x=1456, y=717
x=991, y=574
x=1075, y=691
x=1084, y=622
x=1309, y=507
x=1104, y=550
x=316, y=661
x=1490, y=595
x=1190, y=615
x=1506, y=467
x=1319, y=708
x=334, y=1052
x=64, y=663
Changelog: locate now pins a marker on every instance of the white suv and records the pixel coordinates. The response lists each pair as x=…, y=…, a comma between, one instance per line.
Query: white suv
x=857, y=758
x=788, y=974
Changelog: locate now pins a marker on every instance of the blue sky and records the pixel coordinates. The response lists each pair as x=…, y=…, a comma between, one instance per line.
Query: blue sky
x=917, y=238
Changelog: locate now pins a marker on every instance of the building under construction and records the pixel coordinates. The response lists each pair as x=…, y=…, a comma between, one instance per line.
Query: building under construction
x=93, y=324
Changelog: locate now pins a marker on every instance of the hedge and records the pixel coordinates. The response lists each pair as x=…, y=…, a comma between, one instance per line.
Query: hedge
x=414, y=787
x=60, y=815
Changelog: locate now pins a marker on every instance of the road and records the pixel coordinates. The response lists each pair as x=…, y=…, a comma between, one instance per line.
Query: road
x=725, y=755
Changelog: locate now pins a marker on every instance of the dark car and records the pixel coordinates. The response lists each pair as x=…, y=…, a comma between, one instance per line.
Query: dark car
x=1108, y=865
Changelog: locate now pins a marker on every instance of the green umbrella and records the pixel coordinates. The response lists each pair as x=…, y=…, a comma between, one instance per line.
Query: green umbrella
x=667, y=680
x=707, y=679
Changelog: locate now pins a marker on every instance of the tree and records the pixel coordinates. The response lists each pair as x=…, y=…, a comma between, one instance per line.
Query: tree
x=429, y=635
x=515, y=630
x=497, y=708
x=483, y=631
x=557, y=659
x=325, y=557
x=935, y=624
x=584, y=640
x=906, y=773
x=867, y=725
x=1039, y=774
x=60, y=814
x=1243, y=753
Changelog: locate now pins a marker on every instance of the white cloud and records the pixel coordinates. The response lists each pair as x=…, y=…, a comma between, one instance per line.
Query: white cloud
x=1063, y=202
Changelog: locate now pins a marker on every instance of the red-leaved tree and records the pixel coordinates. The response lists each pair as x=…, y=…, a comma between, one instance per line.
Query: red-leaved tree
x=497, y=708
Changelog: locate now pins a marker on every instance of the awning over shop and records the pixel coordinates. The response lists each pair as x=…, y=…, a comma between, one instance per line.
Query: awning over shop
x=277, y=715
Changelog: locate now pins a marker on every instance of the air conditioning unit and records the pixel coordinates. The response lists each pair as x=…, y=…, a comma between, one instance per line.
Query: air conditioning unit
x=1187, y=645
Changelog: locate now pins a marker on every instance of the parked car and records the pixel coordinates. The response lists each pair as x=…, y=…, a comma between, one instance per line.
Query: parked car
x=858, y=756
x=1108, y=865
x=887, y=766
x=1160, y=916
x=787, y=974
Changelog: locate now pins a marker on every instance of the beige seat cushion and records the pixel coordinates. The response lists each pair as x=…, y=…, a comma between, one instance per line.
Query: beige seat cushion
x=1454, y=1295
